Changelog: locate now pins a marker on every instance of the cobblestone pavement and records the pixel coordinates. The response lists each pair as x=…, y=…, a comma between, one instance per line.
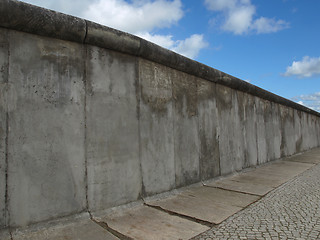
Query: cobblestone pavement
x=291, y=211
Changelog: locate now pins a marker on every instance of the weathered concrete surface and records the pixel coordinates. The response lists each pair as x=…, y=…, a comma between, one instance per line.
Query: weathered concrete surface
x=209, y=131
x=288, y=144
x=312, y=156
x=112, y=128
x=21, y=16
x=46, y=120
x=261, y=180
x=156, y=128
x=289, y=212
x=73, y=229
x=186, y=131
x=271, y=175
x=88, y=127
x=249, y=122
x=36, y=20
x=144, y=223
x=4, y=58
x=231, y=139
x=245, y=187
x=261, y=131
x=205, y=203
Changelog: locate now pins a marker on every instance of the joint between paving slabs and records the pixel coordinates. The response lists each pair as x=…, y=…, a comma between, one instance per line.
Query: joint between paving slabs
x=193, y=219
x=111, y=230
x=231, y=190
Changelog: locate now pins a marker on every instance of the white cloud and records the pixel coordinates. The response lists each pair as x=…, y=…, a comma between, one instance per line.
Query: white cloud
x=162, y=40
x=308, y=67
x=142, y=15
x=268, y=25
x=138, y=17
x=69, y=7
x=189, y=47
x=220, y=5
x=239, y=17
x=311, y=101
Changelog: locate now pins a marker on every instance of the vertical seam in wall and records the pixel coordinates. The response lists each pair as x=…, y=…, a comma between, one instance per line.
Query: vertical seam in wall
x=138, y=97
x=85, y=128
x=256, y=127
x=218, y=128
x=199, y=139
x=7, y=213
x=173, y=131
x=200, y=142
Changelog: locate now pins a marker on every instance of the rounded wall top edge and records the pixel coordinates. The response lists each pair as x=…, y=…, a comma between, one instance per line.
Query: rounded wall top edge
x=28, y=18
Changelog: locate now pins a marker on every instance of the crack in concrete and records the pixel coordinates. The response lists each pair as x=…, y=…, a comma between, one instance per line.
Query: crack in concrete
x=193, y=219
x=86, y=33
x=111, y=230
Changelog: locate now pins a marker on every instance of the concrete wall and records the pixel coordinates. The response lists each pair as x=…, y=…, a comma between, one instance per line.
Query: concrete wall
x=92, y=118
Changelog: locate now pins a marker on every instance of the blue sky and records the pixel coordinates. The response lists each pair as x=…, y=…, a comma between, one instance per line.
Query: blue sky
x=273, y=44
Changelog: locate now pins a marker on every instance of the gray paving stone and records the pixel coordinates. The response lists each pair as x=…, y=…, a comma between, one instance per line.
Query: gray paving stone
x=147, y=223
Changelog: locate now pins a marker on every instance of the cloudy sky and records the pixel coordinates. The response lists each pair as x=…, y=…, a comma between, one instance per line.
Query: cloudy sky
x=273, y=44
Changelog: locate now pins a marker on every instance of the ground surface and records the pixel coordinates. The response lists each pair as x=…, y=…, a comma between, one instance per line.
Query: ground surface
x=291, y=211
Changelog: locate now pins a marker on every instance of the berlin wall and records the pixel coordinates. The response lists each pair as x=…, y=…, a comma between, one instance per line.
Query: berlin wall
x=92, y=118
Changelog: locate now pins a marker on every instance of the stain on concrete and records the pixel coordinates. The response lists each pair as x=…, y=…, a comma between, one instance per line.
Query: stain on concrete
x=113, y=157
x=46, y=151
x=208, y=130
x=288, y=146
x=156, y=128
x=186, y=130
x=156, y=86
x=4, y=75
x=185, y=94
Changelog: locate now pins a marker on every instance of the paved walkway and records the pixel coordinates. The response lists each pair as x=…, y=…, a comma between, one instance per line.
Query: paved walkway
x=291, y=211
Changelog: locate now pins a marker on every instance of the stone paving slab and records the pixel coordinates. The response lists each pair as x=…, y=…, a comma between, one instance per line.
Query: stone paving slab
x=78, y=230
x=312, y=156
x=245, y=187
x=146, y=223
x=206, y=203
x=291, y=211
x=270, y=175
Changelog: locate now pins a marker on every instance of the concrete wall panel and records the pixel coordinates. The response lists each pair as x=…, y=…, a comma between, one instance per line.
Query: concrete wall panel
x=261, y=131
x=239, y=129
x=305, y=131
x=186, y=132
x=272, y=130
x=4, y=55
x=231, y=130
x=248, y=110
x=46, y=122
x=156, y=128
x=114, y=175
x=276, y=127
x=298, y=130
x=208, y=130
x=288, y=144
